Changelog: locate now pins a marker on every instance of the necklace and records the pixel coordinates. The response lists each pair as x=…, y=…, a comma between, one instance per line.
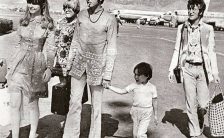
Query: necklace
x=97, y=18
x=35, y=19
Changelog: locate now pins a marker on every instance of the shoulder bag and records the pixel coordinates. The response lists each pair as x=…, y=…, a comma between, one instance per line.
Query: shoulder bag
x=177, y=69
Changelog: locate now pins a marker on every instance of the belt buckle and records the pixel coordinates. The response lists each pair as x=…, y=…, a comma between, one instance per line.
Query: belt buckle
x=188, y=64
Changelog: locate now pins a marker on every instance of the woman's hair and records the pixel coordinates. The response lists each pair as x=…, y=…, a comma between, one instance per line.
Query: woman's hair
x=200, y=3
x=46, y=21
x=74, y=4
x=144, y=69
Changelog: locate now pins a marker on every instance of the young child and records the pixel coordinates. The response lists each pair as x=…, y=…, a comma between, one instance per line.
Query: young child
x=144, y=99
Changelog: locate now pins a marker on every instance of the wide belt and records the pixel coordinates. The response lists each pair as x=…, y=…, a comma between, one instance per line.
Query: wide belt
x=195, y=63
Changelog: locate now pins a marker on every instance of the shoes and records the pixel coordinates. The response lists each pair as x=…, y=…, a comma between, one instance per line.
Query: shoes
x=201, y=113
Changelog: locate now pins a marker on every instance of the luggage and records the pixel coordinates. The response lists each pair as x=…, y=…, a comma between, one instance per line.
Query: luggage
x=61, y=97
x=216, y=114
x=57, y=71
x=177, y=73
x=3, y=70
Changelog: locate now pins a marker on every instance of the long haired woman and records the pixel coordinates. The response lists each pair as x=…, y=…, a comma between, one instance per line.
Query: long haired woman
x=29, y=68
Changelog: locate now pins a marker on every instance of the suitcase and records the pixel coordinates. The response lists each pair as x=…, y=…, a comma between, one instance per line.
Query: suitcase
x=3, y=70
x=56, y=71
x=61, y=97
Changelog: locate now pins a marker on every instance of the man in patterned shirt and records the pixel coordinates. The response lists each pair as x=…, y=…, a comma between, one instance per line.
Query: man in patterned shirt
x=91, y=60
x=198, y=61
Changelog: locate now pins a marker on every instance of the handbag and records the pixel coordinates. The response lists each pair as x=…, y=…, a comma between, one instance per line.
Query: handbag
x=58, y=71
x=3, y=70
x=216, y=114
x=177, y=69
x=177, y=73
x=61, y=97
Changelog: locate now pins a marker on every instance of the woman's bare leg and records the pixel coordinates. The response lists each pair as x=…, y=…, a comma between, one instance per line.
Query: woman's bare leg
x=34, y=118
x=15, y=104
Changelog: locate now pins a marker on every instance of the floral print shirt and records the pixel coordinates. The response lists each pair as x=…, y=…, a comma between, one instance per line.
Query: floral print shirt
x=63, y=37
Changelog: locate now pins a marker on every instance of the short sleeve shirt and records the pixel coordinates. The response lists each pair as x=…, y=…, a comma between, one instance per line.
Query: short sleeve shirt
x=142, y=94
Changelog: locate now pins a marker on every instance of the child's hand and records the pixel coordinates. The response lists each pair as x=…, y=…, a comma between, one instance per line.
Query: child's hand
x=106, y=83
x=156, y=120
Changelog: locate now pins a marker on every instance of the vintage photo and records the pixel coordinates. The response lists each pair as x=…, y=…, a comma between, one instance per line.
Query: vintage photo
x=111, y=69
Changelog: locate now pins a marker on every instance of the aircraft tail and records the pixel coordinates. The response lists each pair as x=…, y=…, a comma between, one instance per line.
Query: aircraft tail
x=207, y=2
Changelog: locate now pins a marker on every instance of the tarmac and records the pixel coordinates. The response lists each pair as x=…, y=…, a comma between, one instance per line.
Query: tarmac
x=149, y=44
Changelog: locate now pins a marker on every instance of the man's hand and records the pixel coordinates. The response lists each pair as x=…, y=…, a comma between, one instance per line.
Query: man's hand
x=171, y=77
x=47, y=75
x=216, y=78
x=106, y=83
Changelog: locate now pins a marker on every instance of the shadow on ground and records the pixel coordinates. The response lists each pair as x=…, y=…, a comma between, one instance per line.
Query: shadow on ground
x=50, y=125
x=124, y=111
x=109, y=125
x=119, y=104
x=123, y=115
x=179, y=119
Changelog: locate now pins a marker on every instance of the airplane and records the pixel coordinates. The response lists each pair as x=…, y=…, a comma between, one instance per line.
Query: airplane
x=131, y=16
x=214, y=18
x=172, y=18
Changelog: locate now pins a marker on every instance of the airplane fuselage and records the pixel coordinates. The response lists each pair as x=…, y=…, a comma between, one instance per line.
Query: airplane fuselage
x=133, y=15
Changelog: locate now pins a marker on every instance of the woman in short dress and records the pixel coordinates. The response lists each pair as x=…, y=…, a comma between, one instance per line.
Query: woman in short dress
x=29, y=68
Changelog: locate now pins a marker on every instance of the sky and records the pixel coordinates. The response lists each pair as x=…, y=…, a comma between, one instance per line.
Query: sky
x=22, y=3
x=215, y=5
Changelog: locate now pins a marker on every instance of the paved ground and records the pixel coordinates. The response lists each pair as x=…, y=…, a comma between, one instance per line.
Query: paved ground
x=150, y=44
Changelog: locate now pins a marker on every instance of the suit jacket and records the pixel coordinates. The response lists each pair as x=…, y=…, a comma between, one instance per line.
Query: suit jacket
x=208, y=48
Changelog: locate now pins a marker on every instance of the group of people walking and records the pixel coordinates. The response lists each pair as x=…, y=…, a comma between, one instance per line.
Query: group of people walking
x=84, y=46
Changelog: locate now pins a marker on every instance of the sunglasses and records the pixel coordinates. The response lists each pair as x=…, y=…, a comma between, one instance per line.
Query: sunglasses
x=67, y=6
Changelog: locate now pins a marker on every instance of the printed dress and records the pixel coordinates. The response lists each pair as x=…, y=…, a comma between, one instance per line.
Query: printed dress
x=28, y=64
x=63, y=37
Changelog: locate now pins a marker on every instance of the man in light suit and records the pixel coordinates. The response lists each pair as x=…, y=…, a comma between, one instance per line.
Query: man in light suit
x=198, y=62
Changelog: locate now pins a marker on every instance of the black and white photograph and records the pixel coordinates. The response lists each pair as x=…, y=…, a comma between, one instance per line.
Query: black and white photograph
x=111, y=69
